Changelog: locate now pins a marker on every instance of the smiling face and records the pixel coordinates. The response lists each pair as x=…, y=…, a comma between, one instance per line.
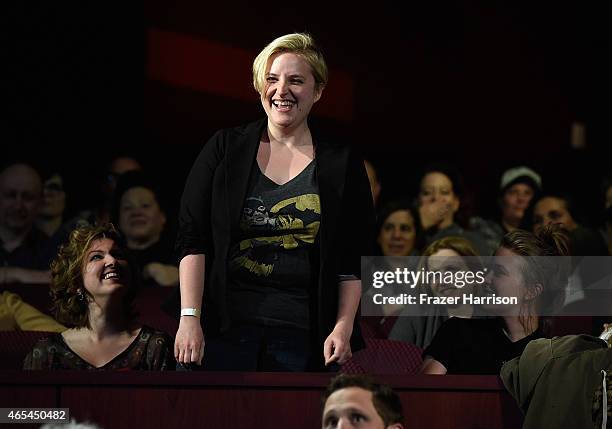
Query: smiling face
x=514, y=203
x=444, y=261
x=105, y=268
x=551, y=210
x=505, y=279
x=20, y=197
x=289, y=92
x=397, y=234
x=351, y=407
x=140, y=217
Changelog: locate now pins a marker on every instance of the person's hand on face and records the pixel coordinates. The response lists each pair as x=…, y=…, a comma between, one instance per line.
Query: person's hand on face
x=433, y=212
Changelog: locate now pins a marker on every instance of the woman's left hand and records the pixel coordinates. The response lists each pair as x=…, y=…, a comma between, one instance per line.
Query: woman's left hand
x=337, y=346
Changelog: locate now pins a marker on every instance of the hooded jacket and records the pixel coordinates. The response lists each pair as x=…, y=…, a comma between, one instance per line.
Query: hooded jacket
x=564, y=382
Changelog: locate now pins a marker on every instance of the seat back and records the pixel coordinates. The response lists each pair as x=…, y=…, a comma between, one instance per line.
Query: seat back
x=15, y=345
x=383, y=356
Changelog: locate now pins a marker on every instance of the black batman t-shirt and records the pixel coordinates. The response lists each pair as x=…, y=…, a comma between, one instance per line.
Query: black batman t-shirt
x=270, y=265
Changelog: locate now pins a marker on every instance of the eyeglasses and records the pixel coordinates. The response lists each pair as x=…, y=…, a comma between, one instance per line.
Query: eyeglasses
x=54, y=187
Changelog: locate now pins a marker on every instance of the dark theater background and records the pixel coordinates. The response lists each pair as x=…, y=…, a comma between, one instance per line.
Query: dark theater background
x=483, y=84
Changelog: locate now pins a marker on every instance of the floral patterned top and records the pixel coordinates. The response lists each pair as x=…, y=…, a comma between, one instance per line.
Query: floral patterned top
x=151, y=350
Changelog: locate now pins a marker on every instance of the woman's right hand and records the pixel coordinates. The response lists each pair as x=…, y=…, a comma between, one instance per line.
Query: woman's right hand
x=189, y=342
x=433, y=213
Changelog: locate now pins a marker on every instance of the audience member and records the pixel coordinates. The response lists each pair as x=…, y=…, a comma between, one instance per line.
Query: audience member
x=92, y=288
x=138, y=213
x=356, y=401
x=17, y=315
x=518, y=185
x=565, y=382
x=418, y=326
x=399, y=232
x=558, y=208
x=481, y=345
x=72, y=425
x=51, y=218
x=25, y=251
x=439, y=201
x=51, y=215
x=102, y=212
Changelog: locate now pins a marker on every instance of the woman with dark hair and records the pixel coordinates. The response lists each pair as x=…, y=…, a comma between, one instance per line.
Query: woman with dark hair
x=92, y=290
x=558, y=208
x=527, y=268
x=440, y=196
x=398, y=229
x=138, y=212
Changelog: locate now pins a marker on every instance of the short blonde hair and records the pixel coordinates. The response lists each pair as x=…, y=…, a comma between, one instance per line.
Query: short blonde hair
x=301, y=44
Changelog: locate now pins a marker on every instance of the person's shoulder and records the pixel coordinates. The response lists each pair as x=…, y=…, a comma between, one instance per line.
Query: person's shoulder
x=9, y=298
x=247, y=129
x=154, y=335
x=36, y=239
x=462, y=324
x=48, y=344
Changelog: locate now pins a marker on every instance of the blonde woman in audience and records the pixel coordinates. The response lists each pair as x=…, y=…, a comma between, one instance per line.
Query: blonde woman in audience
x=443, y=255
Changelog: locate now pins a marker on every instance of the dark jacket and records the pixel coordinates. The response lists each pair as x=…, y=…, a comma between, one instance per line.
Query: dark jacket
x=558, y=383
x=213, y=200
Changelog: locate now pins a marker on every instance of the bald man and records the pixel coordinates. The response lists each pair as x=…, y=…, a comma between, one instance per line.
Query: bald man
x=24, y=250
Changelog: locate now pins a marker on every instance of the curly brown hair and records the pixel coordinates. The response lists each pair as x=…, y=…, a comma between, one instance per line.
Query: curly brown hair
x=68, y=294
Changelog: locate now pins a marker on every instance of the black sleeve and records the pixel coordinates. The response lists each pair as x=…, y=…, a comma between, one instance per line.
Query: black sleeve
x=194, y=216
x=357, y=222
x=441, y=347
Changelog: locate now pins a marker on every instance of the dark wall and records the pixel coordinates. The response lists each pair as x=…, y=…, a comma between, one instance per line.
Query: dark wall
x=483, y=84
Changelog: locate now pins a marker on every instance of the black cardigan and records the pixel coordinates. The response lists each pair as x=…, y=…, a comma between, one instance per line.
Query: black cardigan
x=212, y=203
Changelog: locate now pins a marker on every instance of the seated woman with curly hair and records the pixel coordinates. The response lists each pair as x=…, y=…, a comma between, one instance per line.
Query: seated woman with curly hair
x=92, y=289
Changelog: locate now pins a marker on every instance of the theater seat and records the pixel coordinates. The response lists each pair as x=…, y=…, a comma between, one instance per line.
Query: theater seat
x=148, y=304
x=15, y=345
x=383, y=356
x=376, y=326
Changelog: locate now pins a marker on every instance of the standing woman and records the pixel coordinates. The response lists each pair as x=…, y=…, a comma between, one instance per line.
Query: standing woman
x=273, y=221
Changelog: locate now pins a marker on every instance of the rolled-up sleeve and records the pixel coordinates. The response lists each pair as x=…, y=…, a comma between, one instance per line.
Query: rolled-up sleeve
x=194, y=235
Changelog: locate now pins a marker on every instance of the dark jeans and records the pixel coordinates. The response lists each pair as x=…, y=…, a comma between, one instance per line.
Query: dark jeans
x=259, y=348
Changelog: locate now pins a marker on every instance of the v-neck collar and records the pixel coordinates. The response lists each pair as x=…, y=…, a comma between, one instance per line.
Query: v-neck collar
x=279, y=185
x=126, y=350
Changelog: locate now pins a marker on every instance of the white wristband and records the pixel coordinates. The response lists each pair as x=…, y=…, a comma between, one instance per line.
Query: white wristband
x=190, y=312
